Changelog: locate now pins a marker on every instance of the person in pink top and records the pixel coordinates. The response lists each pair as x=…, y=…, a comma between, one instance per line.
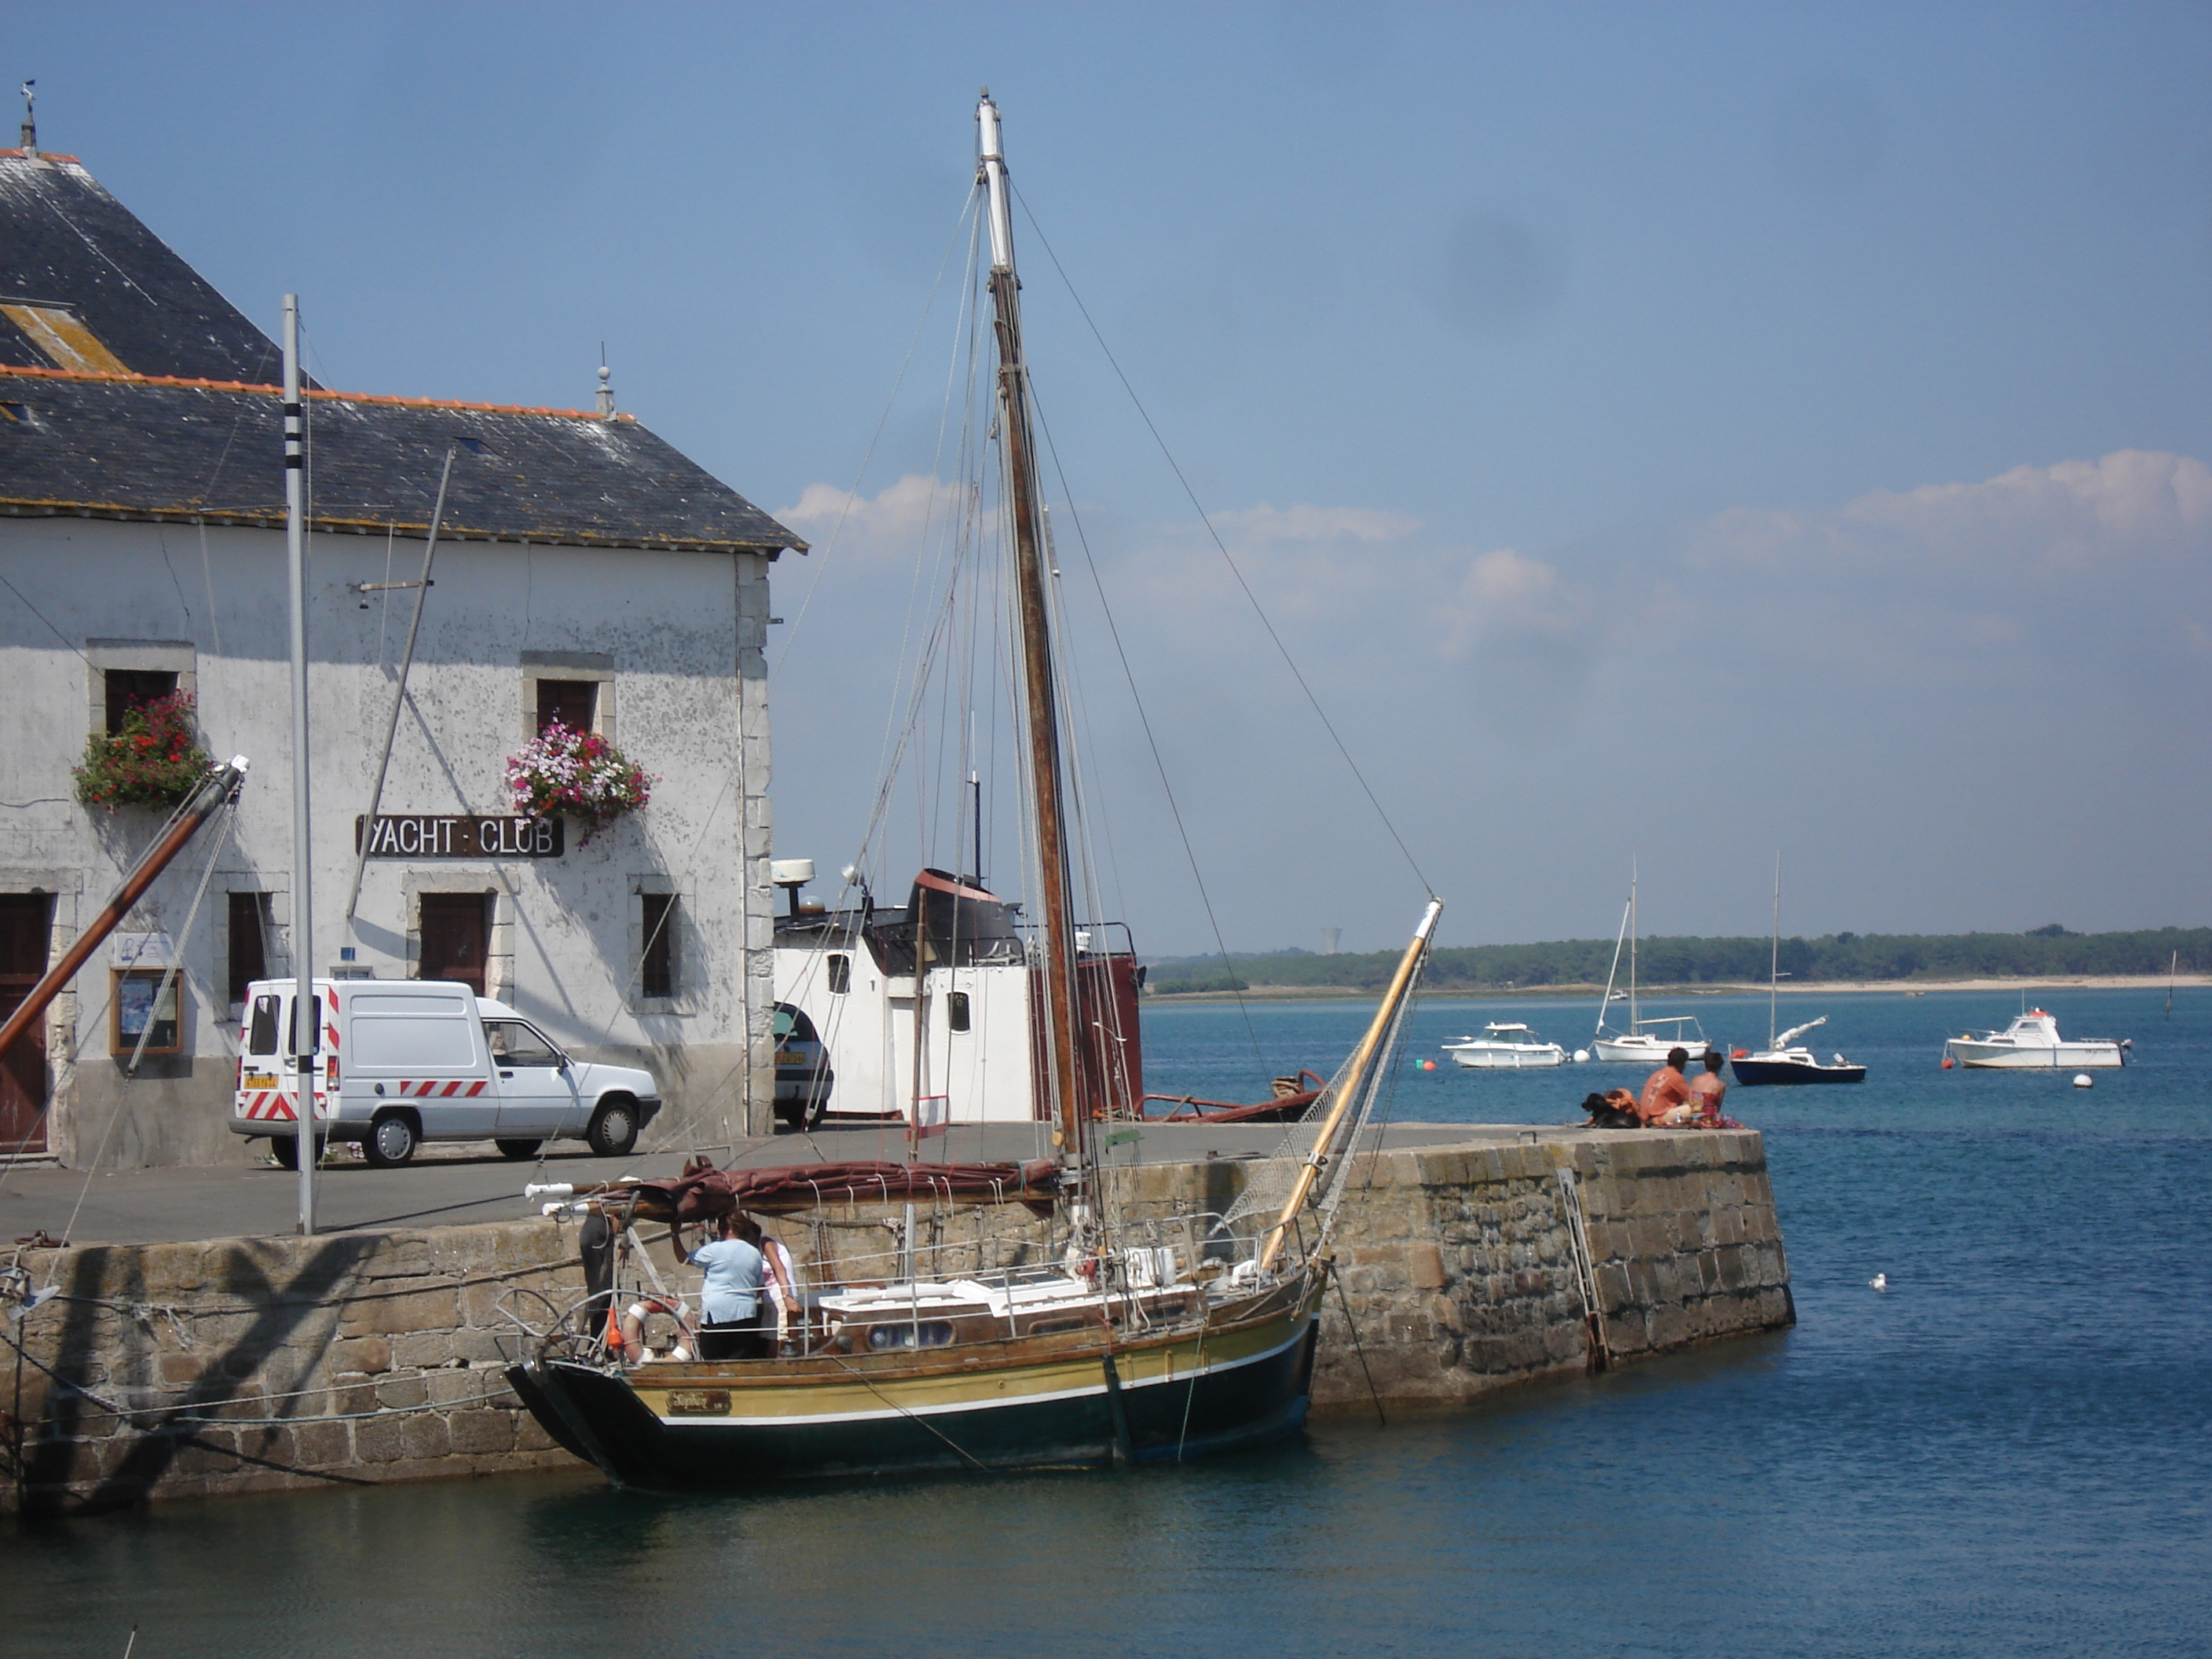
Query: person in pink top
x=1666, y=1097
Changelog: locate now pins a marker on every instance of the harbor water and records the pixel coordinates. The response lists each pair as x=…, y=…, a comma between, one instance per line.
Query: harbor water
x=2004, y=1453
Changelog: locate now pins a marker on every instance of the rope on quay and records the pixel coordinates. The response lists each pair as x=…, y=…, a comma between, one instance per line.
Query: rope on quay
x=172, y=1418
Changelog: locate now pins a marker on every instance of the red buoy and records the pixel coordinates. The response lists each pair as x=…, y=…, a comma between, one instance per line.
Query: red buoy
x=1947, y=1062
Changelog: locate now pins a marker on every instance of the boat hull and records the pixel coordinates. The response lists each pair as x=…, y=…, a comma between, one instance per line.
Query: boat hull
x=2005, y=1056
x=1638, y=1051
x=709, y=1427
x=1754, y=1073
x=1507, y=1057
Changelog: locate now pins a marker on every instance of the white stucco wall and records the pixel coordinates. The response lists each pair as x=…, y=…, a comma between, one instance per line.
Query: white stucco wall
x=680, y=634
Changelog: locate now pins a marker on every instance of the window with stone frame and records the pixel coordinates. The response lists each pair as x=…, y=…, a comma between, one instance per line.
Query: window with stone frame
x=574, y=703
x=249, y=941
x=134, y=688
x=656, y=977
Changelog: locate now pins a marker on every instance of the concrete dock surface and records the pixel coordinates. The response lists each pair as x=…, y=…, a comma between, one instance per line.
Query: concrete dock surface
x=456, y=1185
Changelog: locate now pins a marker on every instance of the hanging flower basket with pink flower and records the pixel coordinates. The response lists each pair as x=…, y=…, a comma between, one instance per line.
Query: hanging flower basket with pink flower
x=155, y=760
x=577, y=773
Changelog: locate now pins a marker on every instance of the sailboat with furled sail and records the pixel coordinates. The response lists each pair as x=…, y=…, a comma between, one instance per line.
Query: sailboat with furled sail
x=1082, y=1327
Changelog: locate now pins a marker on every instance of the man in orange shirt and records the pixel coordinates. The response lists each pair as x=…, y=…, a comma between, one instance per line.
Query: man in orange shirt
x=1665, y=1090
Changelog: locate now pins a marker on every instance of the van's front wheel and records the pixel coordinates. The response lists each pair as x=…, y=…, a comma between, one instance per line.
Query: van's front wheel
x=391, y=1140
x=614, y=1126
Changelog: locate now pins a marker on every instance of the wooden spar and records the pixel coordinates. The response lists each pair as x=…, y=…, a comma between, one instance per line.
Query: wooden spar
x=220, y=786
x=1354, y=1076
x=1042, y=715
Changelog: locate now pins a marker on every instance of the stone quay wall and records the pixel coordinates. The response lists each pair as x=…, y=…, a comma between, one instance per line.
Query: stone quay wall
x=253, y=1364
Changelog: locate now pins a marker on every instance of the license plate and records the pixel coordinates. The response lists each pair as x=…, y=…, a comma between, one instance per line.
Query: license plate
x=254, y=1080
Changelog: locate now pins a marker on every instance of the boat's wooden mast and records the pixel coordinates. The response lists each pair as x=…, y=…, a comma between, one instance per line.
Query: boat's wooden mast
x=1026, y=503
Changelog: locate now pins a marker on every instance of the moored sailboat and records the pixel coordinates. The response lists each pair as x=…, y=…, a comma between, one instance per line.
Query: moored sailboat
x=1645, y=1042
x=1095, y=1336
x=1779, y=1062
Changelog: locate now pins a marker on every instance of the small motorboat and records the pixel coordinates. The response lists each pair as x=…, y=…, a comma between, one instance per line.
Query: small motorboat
x=2033, y=1040
x=1781, y=1062
x=1505, y=1045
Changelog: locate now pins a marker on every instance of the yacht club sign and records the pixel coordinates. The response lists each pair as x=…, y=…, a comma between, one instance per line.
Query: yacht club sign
x=426, y=835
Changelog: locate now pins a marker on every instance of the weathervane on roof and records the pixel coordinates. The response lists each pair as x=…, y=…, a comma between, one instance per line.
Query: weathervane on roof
x=30, y=123
x=606, y=400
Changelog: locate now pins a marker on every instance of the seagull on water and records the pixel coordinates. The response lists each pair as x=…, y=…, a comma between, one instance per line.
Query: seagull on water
x=1879, y=1282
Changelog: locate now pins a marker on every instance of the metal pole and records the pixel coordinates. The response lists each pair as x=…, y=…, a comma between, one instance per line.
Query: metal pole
x=307, y=1016
x=399, y=694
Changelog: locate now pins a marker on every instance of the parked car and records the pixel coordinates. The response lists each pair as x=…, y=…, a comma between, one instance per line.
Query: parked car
x=411, y=1061
x=803, y=1077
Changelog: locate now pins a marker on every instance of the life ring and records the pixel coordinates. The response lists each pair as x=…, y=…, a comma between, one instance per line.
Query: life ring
x=626, y=1335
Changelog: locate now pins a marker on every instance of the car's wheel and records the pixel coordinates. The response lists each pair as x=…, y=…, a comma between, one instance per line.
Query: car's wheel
x=391, y=1140
x=518, y=1149
x=287, y=1149
x=792, y=1113
x=614, y=1126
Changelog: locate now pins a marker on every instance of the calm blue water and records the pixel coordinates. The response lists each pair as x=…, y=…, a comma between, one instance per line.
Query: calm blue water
x=2007, y=1454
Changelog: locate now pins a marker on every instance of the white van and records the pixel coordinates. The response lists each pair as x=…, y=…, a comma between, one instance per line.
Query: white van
x=411, y=1061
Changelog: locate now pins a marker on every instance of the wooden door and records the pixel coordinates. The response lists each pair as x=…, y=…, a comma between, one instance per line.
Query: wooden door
x=25, y=929
x=456, y=938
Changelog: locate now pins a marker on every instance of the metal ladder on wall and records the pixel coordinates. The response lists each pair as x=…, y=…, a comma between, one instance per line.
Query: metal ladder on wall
x=1600, y=1353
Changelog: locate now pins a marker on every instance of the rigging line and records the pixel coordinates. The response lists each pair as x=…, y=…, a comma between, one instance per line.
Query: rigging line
x=852, y=495
x=75, y=1052
x=220, y=840
x=1358, y=1346
x=954, y=550
x=207, y=575
x=1223, y=547
x=67, y=643
x=1143, y=719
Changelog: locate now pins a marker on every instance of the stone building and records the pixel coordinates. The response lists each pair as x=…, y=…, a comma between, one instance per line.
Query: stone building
x=584, y=570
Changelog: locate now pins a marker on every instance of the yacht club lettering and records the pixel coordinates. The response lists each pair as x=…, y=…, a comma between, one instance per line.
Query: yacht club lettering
x=441, y=836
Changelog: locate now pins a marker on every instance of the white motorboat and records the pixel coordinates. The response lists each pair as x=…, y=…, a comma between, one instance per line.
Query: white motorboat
x=2033, y=1040
x=1505, y=1047
x=1646, y=1041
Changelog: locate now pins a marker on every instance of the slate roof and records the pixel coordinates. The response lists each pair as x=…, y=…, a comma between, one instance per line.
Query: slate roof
x=193, y=429
x=109, y=447
x=65, y=241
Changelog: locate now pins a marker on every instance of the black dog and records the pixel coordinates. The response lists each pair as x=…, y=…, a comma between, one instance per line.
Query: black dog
x=1605, y=1116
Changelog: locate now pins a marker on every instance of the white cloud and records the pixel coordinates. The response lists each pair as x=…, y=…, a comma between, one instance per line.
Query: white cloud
x=2074, y=515
x=1258, y=527
x=898, y=518
x=1505, y=596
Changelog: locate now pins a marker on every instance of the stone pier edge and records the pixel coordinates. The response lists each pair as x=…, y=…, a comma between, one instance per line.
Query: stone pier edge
x=359, y=1358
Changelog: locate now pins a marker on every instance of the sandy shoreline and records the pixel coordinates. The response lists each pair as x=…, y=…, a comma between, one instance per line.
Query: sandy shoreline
x=1591, y=992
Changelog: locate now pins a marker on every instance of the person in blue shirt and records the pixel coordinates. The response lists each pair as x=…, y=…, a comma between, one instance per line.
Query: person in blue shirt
x=735, y=1322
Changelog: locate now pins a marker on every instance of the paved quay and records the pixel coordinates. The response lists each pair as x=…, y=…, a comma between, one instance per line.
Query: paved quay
x=455, y=1186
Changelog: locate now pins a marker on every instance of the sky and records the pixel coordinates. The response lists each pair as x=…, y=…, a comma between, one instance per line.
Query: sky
x=1667, y=434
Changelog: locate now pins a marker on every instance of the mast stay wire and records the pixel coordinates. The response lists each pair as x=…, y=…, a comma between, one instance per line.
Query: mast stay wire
x=666, y=1139
x=217, y=844
x=867, y=458
x=1143, y=719
x=1221, y=546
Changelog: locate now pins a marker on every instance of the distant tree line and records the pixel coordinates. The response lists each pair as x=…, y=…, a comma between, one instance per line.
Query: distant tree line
x=2046, y=952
